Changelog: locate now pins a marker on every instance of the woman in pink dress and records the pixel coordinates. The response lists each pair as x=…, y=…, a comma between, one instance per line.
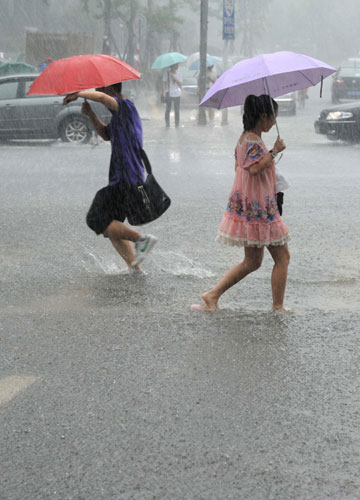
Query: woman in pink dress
x=252, y=218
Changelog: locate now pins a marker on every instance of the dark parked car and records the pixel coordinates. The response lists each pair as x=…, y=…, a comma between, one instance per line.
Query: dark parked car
x=340, y=122
x=346, y=81
x=42, y=116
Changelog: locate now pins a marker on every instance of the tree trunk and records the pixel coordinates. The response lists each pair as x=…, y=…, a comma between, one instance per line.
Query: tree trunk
x=107, y=28
x=131, y=35
x=203, y=52
x=173, y=34
x=150, y=50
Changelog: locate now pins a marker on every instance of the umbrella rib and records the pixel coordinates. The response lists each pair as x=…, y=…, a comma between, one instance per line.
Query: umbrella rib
x=99, y=73
x=308, y=79
x=223, y=97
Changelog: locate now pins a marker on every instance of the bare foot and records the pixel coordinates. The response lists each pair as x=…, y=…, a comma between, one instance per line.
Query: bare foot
x=280, y=310
x=211, y=301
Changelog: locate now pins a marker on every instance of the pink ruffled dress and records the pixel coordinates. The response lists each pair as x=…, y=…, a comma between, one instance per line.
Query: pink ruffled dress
x=252, y=218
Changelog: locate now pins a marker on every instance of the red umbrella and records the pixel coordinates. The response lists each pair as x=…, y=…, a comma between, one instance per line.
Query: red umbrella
x=89, y=71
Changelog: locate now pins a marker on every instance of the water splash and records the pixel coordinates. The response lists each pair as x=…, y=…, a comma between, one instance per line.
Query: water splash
x=178, y=264
x=107, y=264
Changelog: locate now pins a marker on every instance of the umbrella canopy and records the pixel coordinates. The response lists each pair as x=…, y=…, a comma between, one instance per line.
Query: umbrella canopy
x=273, y=74
x=166, y=60
x=210, y=61
x=72, y=74
x=193, y=57
x=11, y=68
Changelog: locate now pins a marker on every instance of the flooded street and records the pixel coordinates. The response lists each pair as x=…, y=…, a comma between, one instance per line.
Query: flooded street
x=111, y=388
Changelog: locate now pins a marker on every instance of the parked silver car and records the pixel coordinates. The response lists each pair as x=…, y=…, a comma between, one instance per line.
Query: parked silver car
x=287, y=103
x=42, y=116
x=189, y=95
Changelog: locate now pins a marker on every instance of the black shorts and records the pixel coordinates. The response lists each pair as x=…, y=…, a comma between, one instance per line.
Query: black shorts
x=108, y=205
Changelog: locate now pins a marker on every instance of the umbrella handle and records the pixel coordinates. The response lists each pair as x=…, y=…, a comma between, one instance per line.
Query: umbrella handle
x=321, y=85
x=277, y=128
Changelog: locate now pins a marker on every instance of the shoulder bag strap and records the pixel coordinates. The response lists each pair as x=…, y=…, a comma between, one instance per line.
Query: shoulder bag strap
x=145, y=161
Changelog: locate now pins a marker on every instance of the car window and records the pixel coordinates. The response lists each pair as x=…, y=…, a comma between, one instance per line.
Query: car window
x=27, y=84
x=8, y=90
x=350, y=72
x=351, y=63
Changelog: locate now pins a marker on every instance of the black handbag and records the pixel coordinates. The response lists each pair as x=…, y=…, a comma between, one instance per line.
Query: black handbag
x=164, y=98
x=147, y=201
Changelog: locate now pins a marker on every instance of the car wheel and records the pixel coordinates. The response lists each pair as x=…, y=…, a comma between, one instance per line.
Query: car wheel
x=75, y=129
x=332, y=137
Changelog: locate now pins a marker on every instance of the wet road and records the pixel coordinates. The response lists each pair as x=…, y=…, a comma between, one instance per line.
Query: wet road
x=111, y=388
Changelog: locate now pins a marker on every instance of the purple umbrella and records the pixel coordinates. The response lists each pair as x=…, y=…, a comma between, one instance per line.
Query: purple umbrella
x=273, y=74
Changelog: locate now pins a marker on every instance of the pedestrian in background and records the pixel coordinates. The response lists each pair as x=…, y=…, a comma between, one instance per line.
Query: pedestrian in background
x=302, y=95
x=45, y=63
x=252, y=217
x=211, y=77
x=171, y=91
x=108, y=210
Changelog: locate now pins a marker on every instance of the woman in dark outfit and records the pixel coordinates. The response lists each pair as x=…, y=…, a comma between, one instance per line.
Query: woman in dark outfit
x=107, y=212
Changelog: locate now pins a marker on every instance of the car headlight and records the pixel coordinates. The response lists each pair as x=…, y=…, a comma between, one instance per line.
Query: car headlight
x=339, y=115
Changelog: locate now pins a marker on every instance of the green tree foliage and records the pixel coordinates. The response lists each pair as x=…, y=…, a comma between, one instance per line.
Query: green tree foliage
x=162, y=19
x=119, y=8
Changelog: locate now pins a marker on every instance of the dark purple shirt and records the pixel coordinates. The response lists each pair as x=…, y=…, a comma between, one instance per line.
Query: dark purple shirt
x=125, y=133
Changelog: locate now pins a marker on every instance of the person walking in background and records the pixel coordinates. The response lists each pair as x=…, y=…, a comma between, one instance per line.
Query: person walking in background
x=252, y=218
x=108, y=210
x=302, y=95
x=45, y=63
x=171, y=91
x=211, y=77
x=158, y=83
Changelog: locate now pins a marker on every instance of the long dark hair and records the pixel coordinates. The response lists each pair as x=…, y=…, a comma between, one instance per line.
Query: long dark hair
x=255, y=106
x=117, y=87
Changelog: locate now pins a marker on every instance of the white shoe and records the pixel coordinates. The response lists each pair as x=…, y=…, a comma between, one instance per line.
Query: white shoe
x=142, y=247
x=136, y=272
